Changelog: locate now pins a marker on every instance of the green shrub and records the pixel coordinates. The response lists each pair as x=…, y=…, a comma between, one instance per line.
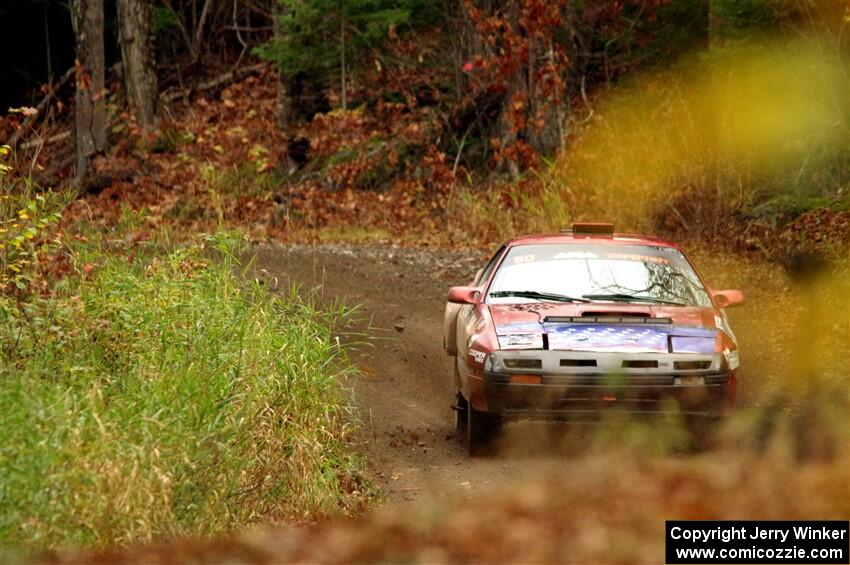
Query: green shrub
x=160, y=396
x=27, y=216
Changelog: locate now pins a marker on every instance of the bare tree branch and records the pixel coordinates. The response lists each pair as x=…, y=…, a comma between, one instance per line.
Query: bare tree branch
x=30, y=120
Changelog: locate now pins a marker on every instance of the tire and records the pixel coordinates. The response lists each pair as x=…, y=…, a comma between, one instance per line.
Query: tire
x=461, y=409
x=703, y=431
x=482, y=430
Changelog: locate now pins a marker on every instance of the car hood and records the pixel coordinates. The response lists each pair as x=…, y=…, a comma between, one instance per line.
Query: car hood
x=605, y=327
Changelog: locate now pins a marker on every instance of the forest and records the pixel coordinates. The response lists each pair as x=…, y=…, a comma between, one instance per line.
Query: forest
x=175, y=365
x=472, y=120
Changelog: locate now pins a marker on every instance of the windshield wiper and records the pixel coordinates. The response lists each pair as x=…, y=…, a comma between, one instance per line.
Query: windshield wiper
x=533, y=294
x=622, y=297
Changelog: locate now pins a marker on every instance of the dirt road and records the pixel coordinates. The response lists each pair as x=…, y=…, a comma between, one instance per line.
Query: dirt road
x=405, y=394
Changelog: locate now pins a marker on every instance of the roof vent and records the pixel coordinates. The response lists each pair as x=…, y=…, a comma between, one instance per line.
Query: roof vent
x=593, y=228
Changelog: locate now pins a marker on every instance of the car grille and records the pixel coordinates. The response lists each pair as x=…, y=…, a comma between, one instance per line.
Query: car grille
x=626, y=380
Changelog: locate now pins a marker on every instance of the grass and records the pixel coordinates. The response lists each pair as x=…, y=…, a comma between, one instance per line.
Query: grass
x=159, y=395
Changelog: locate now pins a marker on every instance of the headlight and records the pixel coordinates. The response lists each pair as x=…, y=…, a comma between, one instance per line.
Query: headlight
x=523, y=363
x=501, y=361
x=688, y=344
x=521, y=341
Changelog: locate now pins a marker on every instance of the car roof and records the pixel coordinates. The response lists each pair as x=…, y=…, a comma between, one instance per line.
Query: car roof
x=568, y=237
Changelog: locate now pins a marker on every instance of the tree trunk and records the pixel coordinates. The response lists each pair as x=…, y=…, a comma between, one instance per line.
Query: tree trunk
x=534, y=110
x=90, y=110
x=342, y=59
x=283, y=104
x=515, y=92
x=545, y=101
x=135, y=22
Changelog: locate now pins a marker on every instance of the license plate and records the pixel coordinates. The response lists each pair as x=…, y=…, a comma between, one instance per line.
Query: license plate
x=689, y=380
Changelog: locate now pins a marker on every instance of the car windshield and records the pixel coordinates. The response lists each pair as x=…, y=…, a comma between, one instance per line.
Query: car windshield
x=642, y=274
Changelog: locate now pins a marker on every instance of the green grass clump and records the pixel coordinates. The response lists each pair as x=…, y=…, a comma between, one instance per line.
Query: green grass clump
x=162, y=395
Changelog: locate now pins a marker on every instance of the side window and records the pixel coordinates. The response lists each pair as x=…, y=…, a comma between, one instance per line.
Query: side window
x=488, y=270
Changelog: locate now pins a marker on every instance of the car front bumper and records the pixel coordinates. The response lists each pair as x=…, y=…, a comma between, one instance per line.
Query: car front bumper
x=578, y=401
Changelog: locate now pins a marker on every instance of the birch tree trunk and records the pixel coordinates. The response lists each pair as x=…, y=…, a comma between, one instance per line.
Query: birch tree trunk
x=135, y=22
x=90, y=106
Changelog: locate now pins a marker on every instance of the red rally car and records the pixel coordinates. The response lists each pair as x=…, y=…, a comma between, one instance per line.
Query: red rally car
x=571, y=324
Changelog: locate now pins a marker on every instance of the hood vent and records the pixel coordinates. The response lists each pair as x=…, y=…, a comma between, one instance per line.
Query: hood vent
x=608, y=314
x=607, y=318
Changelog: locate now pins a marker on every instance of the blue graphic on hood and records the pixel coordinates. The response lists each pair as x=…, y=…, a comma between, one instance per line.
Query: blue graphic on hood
x=616, y=337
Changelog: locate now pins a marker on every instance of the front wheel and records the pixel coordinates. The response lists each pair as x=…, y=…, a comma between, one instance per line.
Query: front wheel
x=703, y=431
x=482, y=430
x=461, y=409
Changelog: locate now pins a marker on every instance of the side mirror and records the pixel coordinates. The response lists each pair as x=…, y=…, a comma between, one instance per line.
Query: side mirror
x=727, y=298
x=463, y=294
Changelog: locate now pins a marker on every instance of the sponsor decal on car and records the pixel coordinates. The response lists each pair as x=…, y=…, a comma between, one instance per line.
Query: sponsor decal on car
x=732, y=358
x=638, y=257
x=523, y=259
x=477, y=356
x=608, y=337
x=576, y=255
